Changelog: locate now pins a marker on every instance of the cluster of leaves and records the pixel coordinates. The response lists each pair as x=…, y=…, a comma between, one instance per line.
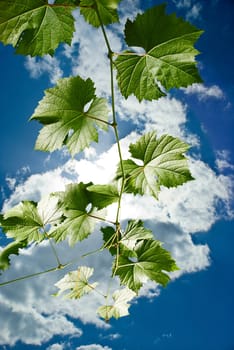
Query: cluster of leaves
x=167, y=60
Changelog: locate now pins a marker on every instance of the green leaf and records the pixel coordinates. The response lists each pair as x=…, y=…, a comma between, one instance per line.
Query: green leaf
x=107, y=10
x=77, y=282
x=80, y=216
x=11, y=248
x=29, y=221
x=120, y=306
x=35, y=27
x=23, y=222
x=163, y=164
x=150, y=262
x=65, y=118
x=168, y=60
x=110, y=239
x=135, y=231
x=103, y=195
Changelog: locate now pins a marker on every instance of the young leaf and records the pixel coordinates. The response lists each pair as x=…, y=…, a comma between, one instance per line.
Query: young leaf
x=163, y=164
x=35, y=27
x=150, y=262
x=79, y=213
x=66, y=122
x=107, y=10
x=120, y=306
x=103, y=195
x=168, y=60
x=77, y=282
x=11, y=248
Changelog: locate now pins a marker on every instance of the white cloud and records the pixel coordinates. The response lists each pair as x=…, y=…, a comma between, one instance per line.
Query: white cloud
x=223, y=160
x=203, y=92
x=93, y=347
x=194, y=12
x=193, y=9
x=46, y=65
x=166, y=115
x=56, y=347
x=183, y=3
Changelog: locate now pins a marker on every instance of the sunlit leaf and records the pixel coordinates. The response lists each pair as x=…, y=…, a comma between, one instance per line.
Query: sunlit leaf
x=11, y=248
x=23, y=222
x=127, y=240
x=162, y=164
x=35, y=27
x=150, y=262
x=30, y=221
x=135, y=231
x=166, y=59
x=80, y=216
x=120, y=306
x=103, y=195
x=77, y=282
x=65, y=118
x=107, y=10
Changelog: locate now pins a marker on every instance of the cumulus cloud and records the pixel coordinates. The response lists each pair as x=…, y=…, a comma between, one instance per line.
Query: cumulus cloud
x=46, y=65
x=223, y=160
x=56, y=346
x=93, y=347
x=193, y=8
x=203, y=92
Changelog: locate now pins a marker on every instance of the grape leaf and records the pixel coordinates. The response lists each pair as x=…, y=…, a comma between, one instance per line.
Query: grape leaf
x=35, y=27
x=120, y=306
x=11, y=248
x=150, y=262
x=110, y=239
x=135, y=231
x=77, y=283
x=65, y=118
x=103, y=195
x=107, y=10
x=168, y=57
x=30, y=220
x=80, y=216
x=23, y=222
x=163, y=163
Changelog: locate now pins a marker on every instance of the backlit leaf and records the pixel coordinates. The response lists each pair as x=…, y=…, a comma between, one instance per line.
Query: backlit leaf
x=11, y=248
x=162, y=164
x=167, y=57
x=23, y=222
x=80, y=216
x=150, y=262
x=35, y=27
x=65, y=118
x=135, y=231
x=103, y=195
x=107, y=10
x=120, y=306
x=77, y=282
x=30, y=221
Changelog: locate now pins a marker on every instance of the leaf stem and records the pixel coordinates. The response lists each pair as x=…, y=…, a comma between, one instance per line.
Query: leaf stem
x=34, y=274
x=54, y=250
x=114, y=124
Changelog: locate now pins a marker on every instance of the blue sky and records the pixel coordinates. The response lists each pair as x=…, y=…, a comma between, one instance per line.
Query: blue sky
x=194, y=221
